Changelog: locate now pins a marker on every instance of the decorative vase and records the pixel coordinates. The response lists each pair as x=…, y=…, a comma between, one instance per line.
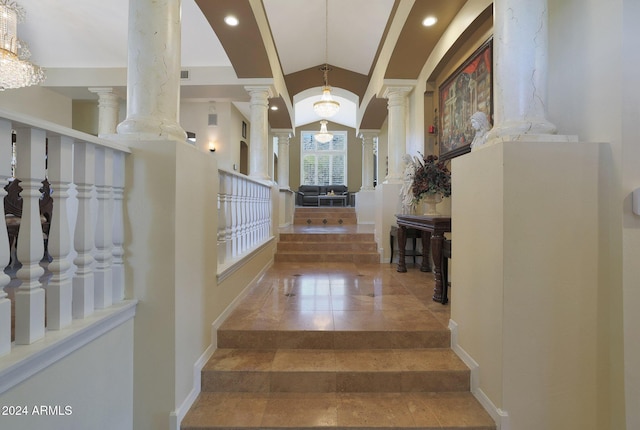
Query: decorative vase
x=430, y=202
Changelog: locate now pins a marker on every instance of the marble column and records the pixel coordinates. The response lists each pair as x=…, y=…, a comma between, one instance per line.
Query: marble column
x=283, y=158
x=367, y=159
x=397, y=96
x=259, y=133
x=153, y=71
x=520, y=58
x=108, y=110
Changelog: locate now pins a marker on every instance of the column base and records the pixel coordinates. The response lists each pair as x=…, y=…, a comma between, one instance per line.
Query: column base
x=148, y=128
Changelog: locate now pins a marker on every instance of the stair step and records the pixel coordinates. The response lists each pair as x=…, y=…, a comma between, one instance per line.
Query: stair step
x=327, y=237
x=288, y=246
x=300, y=411
x=327, y=257
x=312, y=370
x=324, y=221
x=241, y=338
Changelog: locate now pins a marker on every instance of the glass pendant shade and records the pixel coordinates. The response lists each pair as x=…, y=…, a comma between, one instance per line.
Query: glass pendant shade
x=324, y=136
x=15, y=70
x=326, y=107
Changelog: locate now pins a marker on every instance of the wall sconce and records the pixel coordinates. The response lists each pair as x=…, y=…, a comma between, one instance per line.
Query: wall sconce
x=212, y=147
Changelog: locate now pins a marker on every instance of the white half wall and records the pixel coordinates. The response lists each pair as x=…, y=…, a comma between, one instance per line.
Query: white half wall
x=525, y=256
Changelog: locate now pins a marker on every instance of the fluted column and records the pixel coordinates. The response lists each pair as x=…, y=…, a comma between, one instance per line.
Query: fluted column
x=259, y=134
x=59, y=290
x=5, y=304
x=283, y=158
x=108, y=110
x=397, y=102
x=29, y=298
x=153, y=71
x=520, y=52
x=367, y=159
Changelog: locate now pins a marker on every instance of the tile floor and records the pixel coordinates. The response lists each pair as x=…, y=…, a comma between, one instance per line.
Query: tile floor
x=337, y=345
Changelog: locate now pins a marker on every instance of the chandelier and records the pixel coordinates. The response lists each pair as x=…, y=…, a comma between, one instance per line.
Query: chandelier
x=15, y=70
x=326, y=107
x=324, y=136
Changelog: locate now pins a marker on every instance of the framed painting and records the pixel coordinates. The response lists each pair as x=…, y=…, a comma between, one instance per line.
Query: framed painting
x=468, y=90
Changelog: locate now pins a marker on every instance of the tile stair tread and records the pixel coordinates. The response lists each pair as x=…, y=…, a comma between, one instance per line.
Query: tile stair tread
x=426, y=411
x=335, y=360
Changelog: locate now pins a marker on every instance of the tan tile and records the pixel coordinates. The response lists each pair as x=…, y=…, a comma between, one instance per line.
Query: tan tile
x=364, y=410
x=295, y=411
x=411, y=320
x=226, y=410
x=304, y=360
x=303, y=382
x=444, y=380
x=429, y=359
x=305, y=339
x=369, y=382
x=359, y=320
x=240, y=359
x=366, y=360
x=244, y=381
x=455, y=410
x=306, y=320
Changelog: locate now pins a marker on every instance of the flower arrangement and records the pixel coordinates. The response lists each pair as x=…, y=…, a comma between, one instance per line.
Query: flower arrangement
x=431, y=177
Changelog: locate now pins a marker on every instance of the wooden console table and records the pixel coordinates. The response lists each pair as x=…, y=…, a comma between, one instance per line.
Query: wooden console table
x=433, y=227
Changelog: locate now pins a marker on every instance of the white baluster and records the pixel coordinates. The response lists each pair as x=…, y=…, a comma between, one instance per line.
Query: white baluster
x=228, y=236
x=59, y=291
x=117, y=267
x=103, y=287
x=235, y=217
x=83, y=280
x=222, y=219
x=5, y=174
x=30, y=297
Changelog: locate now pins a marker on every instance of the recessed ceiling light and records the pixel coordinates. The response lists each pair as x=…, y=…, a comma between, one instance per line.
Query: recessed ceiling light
x=429, y=21
x=231, y=20
x=274, y=107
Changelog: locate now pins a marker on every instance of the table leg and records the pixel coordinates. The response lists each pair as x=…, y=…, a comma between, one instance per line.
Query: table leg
x=437, y=239
x=425, y=266
x=402, y=243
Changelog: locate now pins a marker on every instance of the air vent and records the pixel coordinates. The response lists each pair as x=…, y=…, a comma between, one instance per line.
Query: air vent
x=213, y=119
x=184, y=74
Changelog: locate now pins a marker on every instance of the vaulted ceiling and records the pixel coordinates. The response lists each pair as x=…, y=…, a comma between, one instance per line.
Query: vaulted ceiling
x=279, y=40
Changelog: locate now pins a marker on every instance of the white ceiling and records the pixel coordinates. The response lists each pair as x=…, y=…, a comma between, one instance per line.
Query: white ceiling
x=295, y=24
x=93, y=33
x=89, y=34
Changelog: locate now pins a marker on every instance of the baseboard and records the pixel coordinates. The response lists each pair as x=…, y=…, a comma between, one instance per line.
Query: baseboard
x=176, y=417
x=500, y=417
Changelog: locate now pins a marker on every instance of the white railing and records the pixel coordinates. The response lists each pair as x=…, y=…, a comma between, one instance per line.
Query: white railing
x=86, y=176
x=244, y=217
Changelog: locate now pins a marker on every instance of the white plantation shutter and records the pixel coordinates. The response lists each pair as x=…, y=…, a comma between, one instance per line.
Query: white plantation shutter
x=324, y=163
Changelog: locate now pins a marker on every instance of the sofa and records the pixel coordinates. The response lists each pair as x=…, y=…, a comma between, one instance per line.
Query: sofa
x=307, y=195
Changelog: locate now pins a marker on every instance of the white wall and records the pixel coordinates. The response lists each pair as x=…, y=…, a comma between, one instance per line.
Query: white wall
x=593, y=52
x=96, y=382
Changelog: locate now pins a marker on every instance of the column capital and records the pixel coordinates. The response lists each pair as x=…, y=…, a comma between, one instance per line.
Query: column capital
x=397, y=90
x=283, y=134
x=368, y=135
x=260, y=92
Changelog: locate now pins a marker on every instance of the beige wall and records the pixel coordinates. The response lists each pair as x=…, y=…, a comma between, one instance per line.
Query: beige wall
x=39, y=102
x=525, y=220
x=580, y=59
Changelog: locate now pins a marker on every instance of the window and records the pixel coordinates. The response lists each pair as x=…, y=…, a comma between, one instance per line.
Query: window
x=324, y=163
